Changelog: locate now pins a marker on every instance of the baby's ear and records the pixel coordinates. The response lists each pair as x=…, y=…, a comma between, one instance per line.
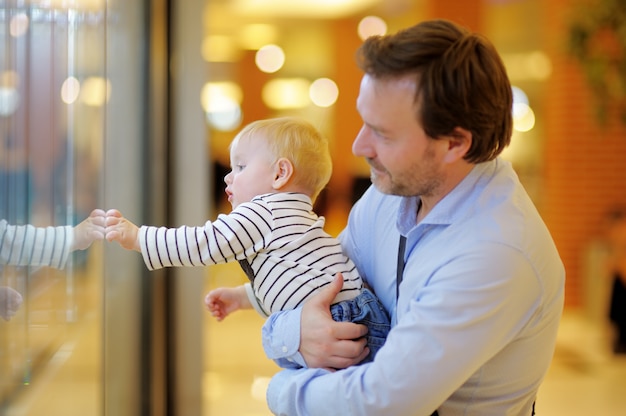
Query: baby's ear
x=283, y=172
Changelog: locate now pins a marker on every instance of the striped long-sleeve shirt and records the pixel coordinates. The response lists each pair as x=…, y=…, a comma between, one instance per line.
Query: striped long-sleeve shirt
x=283, y=240
x=22, y=245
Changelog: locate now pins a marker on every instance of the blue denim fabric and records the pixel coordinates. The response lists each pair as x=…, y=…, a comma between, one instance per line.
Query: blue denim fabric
x=365, y=309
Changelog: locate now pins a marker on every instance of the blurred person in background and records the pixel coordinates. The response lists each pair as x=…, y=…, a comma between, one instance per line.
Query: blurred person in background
x=617, y=269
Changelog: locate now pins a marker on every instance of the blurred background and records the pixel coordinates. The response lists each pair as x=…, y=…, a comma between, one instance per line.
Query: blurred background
x=132, y=105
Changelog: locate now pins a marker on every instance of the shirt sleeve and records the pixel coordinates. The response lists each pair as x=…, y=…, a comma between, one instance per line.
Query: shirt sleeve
x=27, y=245
x=236, y=236
x=282, y=384
x=281, y=338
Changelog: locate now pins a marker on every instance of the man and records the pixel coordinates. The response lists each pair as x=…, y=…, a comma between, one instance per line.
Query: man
x=477, y=294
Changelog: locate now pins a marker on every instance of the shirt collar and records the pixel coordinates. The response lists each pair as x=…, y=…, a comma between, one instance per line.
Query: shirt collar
x=452, y=206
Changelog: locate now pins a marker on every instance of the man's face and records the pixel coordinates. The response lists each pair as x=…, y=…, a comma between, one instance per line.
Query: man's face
x=403, y=159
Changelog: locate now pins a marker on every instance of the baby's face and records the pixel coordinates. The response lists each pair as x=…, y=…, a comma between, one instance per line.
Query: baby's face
x=252, y=170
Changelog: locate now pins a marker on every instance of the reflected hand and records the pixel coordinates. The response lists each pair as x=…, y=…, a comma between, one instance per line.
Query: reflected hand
x=121, y=230
x=325, y=343
x=10, y=301
x=90, y=230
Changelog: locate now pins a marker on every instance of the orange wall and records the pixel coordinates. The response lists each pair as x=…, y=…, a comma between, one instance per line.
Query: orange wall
x=585, y=164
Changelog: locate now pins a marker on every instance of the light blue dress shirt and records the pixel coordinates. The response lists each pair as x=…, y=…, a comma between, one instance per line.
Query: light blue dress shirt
x=477, y=316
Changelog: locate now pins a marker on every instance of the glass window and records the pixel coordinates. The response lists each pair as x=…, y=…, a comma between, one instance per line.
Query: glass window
x=53, y=92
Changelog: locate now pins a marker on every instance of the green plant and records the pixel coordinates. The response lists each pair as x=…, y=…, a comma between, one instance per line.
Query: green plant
x=597, y=39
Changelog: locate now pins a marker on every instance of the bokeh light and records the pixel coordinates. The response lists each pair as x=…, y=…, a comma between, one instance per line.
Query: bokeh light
x=523, y=115
x=519, y=96
x=539, y=65
x=255, y=36
x=95, y=91
x=270, y=58
x=323, y=92
x=18, y=25
x=371, y=26
x=532, y=65
x=286, y=93
x=9, y=95
x=9, y=101
x=221, y=102
x=70, y=90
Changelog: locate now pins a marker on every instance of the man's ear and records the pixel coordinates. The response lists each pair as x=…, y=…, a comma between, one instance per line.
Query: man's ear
x=459, y=143
x=283, y=171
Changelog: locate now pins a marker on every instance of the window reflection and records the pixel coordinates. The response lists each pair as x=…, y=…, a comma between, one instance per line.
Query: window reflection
x=50, y=153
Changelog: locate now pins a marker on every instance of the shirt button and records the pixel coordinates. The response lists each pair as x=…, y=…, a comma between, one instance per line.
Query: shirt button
x=285, y=348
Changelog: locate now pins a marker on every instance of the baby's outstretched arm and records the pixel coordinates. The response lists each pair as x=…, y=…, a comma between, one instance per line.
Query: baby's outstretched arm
x=121, y=230
x=225, y=300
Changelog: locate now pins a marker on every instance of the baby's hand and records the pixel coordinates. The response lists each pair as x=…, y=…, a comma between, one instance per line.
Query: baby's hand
x=225, y=300
x=121, y=230
x=10, y=301
x=90, y=230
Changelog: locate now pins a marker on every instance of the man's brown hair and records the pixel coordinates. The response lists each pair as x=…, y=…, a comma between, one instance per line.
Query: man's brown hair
x=461, y=80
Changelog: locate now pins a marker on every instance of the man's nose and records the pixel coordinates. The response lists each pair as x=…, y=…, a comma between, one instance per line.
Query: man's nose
x=360, y=145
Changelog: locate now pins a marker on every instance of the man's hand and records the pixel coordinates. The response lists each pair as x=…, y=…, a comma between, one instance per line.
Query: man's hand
x=325, y=343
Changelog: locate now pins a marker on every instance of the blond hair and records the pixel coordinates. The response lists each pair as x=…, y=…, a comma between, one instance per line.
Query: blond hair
x=298, y=141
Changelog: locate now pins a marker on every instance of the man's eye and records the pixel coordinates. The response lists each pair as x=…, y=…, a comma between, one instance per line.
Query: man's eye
x=239, y=168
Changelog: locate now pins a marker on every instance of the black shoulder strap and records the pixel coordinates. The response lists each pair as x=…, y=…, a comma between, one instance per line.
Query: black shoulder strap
x=401, y=263
x=247, y=269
